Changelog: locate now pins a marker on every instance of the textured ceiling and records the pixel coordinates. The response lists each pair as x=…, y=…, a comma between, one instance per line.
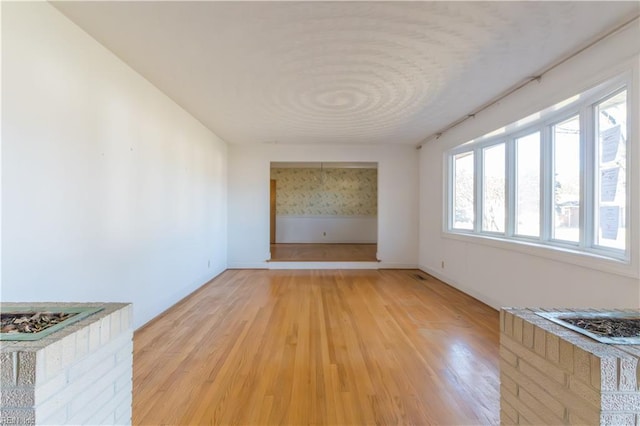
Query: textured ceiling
x=339, y=72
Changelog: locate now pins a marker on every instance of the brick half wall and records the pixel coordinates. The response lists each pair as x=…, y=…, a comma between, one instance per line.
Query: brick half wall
x=550, y=374
x=80, y=375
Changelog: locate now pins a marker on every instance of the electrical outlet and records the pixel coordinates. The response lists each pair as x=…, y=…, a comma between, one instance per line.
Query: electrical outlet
x=324, y=234
x=208, y=264
x=442, y=264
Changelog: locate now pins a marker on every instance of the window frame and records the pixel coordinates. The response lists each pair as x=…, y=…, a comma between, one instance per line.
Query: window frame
x=451, y=171
x=596, y=167
x=481, y=191
x=548, y=126
x=512, y=177
x=584, y=106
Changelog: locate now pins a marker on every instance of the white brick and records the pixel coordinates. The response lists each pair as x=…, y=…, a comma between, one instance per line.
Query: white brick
x=41, y=372
x=125, y=354
x=582, y=364
x=82, y=342
x=509, y=384
x=94, y=336
x=97, y=368
x=13, y=416
x=126, y=318
x=76, y=389
x=508, y=411
x=57, y=418
x=88, y=367
x=83, y=409
x=576, y=419
x=540, y=341
x=125, y=419
x=566, y=355
x=628, y=374
x=102, y=357
x=52, y=386
x=115, y=323
x=596, y=370
x=107, y=413
x=105, y=330
x=73, y=373
x=517, y=328
x=8, y=368
x=26, y=366
x=109, y=420
x=584, y=391
x=553, y=348
x=549, y=416
x=53, y=359
x=547, y=400
x=68, y=350
x=16, y=396
x=51, y=406
x=124, y=410
x=104, y=414
x=508, y=324
x=542, y=364
x=124, y=382
x=617, y=419
x=100, y=389
x=609, y=374
x=528, y=334
x=521, y=408
x=508, y=356
x=621, y=401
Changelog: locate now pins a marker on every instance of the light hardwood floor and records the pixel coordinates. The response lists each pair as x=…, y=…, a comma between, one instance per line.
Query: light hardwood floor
x=324, y=252
x=257, y=347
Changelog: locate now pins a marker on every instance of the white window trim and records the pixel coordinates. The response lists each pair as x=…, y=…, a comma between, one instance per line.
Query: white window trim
x=585, y=253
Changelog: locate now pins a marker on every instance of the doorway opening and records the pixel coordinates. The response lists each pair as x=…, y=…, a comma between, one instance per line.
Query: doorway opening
x=324, y=211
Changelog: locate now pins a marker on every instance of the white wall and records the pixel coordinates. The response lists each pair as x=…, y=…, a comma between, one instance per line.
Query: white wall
x=249, y=172
x=501, y=274
x=111, y=192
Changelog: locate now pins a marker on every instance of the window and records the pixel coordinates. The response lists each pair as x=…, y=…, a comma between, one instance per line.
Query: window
x=527, y=214
x=556, y=178
x=493, y=190
x=463, y=191
x=566, y=180
x=611, y=172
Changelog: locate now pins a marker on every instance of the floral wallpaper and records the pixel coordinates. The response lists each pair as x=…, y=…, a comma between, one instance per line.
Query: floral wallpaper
x=326, y=192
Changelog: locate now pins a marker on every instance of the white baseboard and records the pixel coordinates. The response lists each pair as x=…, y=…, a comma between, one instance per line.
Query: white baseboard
x=389, y=265
x=476, y=295
x=255, y=265
x=175, y=298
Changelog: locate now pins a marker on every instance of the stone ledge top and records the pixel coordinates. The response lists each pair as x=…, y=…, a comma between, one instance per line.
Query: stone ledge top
x=601, y=350
x=36, y=345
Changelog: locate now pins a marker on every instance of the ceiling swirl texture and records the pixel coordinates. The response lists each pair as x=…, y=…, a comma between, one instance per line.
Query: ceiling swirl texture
x=339, y=72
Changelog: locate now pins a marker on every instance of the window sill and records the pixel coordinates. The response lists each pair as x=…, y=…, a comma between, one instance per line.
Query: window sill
x=558, y=254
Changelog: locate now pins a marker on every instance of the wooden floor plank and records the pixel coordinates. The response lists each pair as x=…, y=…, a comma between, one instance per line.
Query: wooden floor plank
x=309, y=252
x=257, y=347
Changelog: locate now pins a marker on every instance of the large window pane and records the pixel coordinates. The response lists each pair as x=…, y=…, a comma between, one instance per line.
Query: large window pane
x=611, y=190
x=463, y=217
x=566, y=180
x=493, y=190
x=559, y=178
x=528, y=185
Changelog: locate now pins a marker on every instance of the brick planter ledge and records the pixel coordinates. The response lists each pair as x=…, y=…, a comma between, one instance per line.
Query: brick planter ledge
x=553, y=375
x=81, y=374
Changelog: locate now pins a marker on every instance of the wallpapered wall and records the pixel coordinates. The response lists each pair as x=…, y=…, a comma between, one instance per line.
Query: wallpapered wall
x=327, y=192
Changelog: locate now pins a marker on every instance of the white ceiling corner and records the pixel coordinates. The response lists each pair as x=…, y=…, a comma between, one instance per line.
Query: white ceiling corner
x=339, y=72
